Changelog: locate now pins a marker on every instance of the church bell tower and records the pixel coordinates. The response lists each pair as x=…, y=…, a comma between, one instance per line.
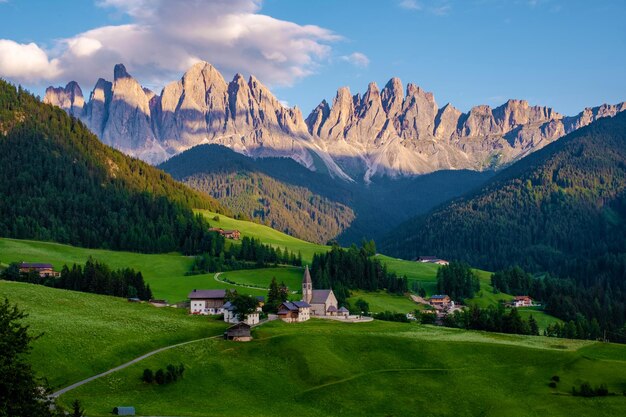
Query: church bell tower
x=307, y=286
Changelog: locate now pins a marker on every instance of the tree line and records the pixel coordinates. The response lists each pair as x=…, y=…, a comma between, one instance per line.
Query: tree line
x=95, y=277
x=457, y=280
x=347, y=269
x=252, y=253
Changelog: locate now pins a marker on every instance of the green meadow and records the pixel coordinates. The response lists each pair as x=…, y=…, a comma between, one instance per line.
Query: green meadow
x=291, y=276
x=85, y=334
x=321, y=368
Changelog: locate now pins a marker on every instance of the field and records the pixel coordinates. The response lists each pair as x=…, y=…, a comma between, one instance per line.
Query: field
x=322, y=368
x=85, y=334
x=267, y=235
x=380, y=301
x=543, y=318
x=164, y=272
x=291, y=276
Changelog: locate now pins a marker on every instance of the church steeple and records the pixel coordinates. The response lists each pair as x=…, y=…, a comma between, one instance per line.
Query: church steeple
x=307, y=286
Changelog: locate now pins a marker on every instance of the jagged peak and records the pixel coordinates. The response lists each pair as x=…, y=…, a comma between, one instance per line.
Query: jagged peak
x=119, y=72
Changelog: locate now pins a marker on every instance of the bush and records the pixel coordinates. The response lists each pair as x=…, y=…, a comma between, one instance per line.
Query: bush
x=552, y=384
x=159, y=377
x=148, y=376
x=556, y=378
x=586, y=390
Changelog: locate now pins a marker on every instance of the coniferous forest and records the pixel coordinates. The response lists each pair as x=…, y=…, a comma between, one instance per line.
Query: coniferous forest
x=59, y=183
x=348, y=269
x=559, y=214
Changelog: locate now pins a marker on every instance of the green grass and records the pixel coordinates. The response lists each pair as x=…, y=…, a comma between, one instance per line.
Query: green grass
x=543, y=318
x=85, y=334
x=376, y=369
x=164, y=272
x=291, y=276
x=267, y=235
x=380, y=301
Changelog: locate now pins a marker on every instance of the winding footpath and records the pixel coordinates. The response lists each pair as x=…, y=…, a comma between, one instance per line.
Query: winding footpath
x=127, y=364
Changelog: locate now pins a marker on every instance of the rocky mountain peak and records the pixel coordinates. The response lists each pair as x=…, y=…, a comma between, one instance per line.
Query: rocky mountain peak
x=392, y=97
x=69, y=98
x=119, y=71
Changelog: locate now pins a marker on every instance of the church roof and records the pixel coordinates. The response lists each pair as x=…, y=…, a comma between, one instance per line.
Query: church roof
x=343, y=310
x=332, y=309
x=307, y=276
x=320, y=296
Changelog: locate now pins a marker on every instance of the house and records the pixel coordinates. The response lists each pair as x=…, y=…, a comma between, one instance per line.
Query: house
x=240, y=332
x=231, y=315
x=440, y=300
x=432, y=260
x=294, y=311
x=206, y=301
x=322, y=302
x=124, y=411
x=522, y=301
x=228, y=234
x=44, y=270
x=343, y=312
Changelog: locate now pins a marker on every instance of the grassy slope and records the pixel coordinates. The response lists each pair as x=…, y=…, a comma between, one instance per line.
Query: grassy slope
x=164, y=272
x=85, y=334
x=267, y=235
x=291, y=276
x=375, y=369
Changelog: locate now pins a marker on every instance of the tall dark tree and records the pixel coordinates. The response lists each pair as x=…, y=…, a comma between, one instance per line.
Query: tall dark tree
x=21, y=394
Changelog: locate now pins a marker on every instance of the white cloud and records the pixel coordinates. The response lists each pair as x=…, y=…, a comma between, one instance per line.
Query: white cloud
x=357, y=59
x=410, y=5
x=26, y=62
x=164, y=38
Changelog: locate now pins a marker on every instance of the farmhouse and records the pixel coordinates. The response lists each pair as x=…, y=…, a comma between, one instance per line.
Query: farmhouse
x=228, y=234
x=322, y=302
x=207, y=301
x=440, y=300
x=522, y=301
x=240, y=332
x=432, y=260
x=294, y=312
x=231, y=315
x=44, y=270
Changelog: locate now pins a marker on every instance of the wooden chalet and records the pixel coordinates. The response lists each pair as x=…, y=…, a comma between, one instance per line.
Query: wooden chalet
x=440, y=300
x=240, y=332
x=294, y=311
x=432, y=260
x=44, y=270
x=228, y=234
x=522, y=301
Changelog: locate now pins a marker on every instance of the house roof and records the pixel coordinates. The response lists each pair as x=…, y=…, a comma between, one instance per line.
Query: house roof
x=522, y=297
x=306, y=279
x=34, y=265
x=320, y=296
x=301, y=304
x=229, y=306
x=239, y=325
x=288, y=305
x=439, y=297
x=332, y=309
x=260, y=298
x=207, y=294
x=343, y=310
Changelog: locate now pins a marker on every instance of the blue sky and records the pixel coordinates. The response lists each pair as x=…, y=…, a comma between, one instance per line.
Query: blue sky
x=561, y=53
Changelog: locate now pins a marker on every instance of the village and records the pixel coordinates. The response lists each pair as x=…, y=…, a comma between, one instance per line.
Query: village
x=315, y=303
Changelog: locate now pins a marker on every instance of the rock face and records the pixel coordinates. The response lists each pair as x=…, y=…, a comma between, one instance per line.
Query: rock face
x=393, y=131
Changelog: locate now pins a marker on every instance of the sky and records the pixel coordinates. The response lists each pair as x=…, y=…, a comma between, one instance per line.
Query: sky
x=566, y=54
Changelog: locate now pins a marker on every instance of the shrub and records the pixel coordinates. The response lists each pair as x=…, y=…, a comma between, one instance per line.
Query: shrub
x=159, y=377
x=552, y=384
x=556, y=378
x=148, y=376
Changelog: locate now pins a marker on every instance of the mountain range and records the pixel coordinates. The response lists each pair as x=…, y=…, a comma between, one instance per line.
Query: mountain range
x=393, y=132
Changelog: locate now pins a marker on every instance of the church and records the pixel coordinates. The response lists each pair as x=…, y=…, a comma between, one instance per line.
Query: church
x=322, y=302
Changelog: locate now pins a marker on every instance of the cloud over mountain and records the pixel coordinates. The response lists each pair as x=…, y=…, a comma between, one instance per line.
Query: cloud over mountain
x=166, y=37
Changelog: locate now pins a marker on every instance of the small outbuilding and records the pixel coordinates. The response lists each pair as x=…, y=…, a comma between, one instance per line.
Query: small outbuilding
x=124, y=411
x=240, y=332
x=343, y=312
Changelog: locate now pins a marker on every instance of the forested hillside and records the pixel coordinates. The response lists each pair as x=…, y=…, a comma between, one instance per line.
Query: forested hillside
x=312, y=205
x=58, y=182
x=561, y=210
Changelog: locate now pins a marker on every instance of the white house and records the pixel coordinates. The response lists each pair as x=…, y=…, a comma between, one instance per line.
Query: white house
x=231, y=316
x=206, y=301
x=294, y=312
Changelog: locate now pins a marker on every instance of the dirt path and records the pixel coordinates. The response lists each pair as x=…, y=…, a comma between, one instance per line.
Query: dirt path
x=126, y=365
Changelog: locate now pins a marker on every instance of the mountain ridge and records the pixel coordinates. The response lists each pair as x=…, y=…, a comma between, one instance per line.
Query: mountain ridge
x=391, y=132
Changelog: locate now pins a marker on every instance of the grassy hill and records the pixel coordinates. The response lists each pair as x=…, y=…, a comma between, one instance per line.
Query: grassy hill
x=377, y=369
x=85, y=334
